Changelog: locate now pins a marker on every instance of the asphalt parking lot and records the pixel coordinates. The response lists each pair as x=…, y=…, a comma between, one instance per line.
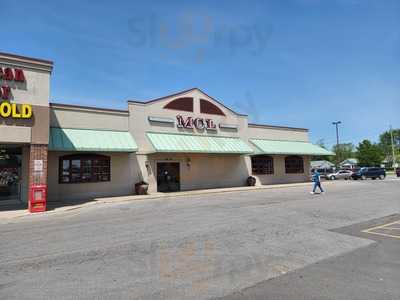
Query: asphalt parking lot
x=370, y=272
x=234, y=245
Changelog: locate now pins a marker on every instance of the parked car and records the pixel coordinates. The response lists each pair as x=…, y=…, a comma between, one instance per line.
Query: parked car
x=373, y=173
x=324, y=172
x=341, y=174
x=398, y=172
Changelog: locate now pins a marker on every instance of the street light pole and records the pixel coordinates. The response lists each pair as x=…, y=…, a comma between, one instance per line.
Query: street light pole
x=337, y=140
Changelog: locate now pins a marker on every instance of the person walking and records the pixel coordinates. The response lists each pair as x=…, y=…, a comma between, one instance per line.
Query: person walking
x=316, y=178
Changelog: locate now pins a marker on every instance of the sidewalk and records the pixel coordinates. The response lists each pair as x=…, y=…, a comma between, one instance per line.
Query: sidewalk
x=8, y=214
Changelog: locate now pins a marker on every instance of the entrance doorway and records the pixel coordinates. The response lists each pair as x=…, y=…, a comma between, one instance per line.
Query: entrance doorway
x=10, y=173
x=168, y=177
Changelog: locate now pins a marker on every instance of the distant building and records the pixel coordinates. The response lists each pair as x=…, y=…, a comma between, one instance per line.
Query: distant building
x=389, y=163
x=321, y=164
x=349, y=163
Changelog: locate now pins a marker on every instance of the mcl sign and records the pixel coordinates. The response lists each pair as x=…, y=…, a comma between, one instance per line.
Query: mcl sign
x=7, y=109
x=198, y=123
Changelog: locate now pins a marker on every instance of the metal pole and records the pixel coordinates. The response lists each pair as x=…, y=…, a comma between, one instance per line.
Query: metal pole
x=337, y=141
x=337, y=134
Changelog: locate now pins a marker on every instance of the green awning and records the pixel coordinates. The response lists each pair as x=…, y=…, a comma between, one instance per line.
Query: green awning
x=288, y=147
x=66, y=139
x=188, y=143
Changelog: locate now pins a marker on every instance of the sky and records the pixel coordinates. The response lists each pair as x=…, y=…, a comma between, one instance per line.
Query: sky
x=300, y=63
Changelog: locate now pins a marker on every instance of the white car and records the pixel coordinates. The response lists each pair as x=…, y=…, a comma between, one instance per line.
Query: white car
x=341, y=174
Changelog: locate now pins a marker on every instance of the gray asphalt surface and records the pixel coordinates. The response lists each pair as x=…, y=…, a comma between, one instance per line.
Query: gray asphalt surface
x=368, y=273
x=199, y=247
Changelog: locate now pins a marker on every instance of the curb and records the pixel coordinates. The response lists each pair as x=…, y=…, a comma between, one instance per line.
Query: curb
x=160, y=196
x=197, y=193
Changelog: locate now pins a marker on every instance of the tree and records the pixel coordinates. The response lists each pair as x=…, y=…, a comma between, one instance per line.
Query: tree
x=385, y=143
x=369, y=155
x=321, y=143
x=344, y=151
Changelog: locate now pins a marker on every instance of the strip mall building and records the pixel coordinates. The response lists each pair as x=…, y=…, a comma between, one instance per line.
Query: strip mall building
x=184, y=141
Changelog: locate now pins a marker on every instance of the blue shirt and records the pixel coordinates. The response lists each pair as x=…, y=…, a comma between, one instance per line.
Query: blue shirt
x=315, y=177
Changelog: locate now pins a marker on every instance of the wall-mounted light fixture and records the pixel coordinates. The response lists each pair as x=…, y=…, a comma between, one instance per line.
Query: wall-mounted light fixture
x=188, y=162
x=148, y=167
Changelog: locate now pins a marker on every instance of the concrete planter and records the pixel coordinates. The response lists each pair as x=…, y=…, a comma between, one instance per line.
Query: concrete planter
x=251, y=181
x=141, y=188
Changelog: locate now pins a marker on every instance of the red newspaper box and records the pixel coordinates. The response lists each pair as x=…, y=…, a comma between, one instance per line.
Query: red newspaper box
x=37, y=202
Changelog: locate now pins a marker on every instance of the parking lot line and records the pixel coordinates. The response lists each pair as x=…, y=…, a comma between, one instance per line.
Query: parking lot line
x=392, y=226
x=384, y=225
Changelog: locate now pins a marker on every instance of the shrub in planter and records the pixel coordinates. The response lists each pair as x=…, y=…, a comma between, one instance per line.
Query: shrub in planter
x=251, y=181
x=141, y=188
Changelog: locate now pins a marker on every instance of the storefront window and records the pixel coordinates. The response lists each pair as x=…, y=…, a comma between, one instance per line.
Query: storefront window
x=294, y=164
x=65, y=176
x=262, y=164
x=84, y=168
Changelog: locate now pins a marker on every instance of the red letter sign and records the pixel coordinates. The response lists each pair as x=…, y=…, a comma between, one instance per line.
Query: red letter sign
x=199, y=123
x=19, y=75
x=5, y=92
x=210, y=124
x=180, y=121
x=8, y=74
x=188, y=123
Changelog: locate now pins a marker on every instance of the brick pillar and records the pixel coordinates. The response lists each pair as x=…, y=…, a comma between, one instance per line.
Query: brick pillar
x=37, y=177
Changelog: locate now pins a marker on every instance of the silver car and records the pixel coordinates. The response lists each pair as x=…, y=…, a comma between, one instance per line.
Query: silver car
x=341, y=174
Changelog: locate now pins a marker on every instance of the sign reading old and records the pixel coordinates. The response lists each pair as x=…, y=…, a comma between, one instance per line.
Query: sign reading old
x=15, y=111
x=199, y=123
x=7, y=109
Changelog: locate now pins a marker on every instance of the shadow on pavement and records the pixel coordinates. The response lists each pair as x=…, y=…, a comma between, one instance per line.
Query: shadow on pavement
x=20, y=206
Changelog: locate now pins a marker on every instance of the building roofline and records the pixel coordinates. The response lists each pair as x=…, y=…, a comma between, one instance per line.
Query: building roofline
x=32, y=59
x=161, y=98
x=277, y=127
x=184, y=92
x=82, y=107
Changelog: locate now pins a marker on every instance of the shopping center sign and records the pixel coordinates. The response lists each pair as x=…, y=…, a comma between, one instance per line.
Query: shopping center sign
x=199, y=123
x=7, y=109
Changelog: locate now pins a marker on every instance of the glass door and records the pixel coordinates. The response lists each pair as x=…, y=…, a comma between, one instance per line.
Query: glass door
x=10, y=173
x=168, y=177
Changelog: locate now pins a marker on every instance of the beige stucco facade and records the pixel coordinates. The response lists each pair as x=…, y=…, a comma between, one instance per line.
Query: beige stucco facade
x=201, y=171
x=164, y=115
x=123, y=176
x=280, y=176
x=277, y=133
x=124, y=166
x=35, y=90
x=26, y=138
x=140, y=124
x=70, y=116
x=196, y=170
